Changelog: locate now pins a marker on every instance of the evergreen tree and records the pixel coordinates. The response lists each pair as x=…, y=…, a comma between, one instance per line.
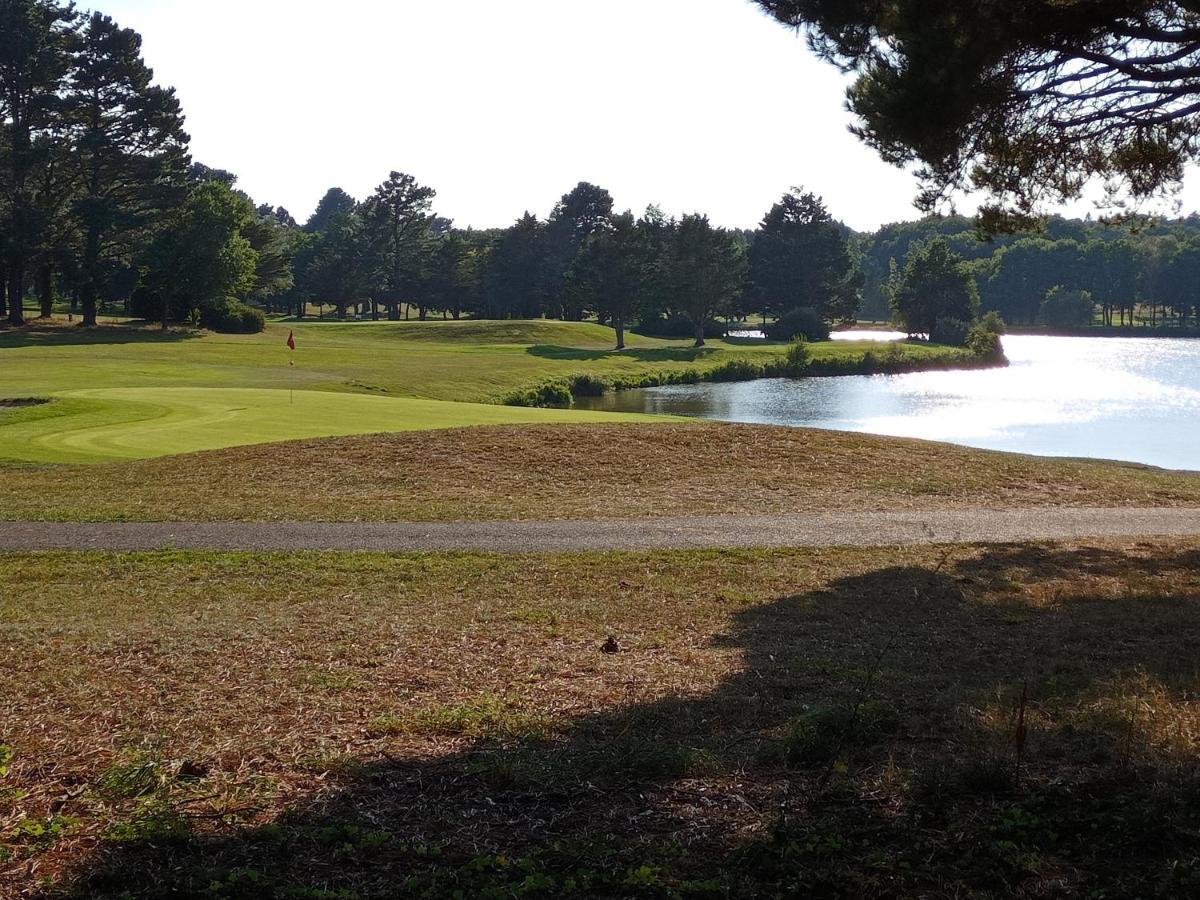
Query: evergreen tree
x=707, y=268
x=801, y=258
x=581, y=212
x=515, y=280
x=334, y=203
x=129, y=150
x=201, y=259
x=398, y=226
x=609, y=273
x=35, y=44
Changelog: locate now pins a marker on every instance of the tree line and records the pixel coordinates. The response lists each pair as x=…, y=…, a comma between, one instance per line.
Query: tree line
x=1071, y=273
x=390, y=255
x=101, y=204
x=99, y=198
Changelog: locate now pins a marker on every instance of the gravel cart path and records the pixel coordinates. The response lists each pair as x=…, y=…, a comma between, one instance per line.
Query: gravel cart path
x=861, y=529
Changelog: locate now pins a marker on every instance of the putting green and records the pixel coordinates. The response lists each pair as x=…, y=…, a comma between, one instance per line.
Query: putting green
x=101, y=425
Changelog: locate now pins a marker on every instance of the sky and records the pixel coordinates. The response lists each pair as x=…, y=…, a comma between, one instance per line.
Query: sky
x=504, y=105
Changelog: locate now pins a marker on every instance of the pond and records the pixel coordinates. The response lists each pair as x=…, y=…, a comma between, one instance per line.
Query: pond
x=1134, y=399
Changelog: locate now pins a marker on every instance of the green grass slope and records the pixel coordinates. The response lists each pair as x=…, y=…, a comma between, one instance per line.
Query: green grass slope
x=137, y=423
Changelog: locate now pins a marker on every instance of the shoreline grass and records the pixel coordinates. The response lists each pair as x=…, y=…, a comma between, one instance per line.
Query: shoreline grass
x=835, y=722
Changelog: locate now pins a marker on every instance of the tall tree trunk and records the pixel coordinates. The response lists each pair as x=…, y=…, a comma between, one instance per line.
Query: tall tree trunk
x=700, y=333
x=16, y=295
x=46, y=290
x=91, y=266
x=619, y=325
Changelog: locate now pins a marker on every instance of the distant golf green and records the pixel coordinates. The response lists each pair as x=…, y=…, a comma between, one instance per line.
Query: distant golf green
x=137, y=423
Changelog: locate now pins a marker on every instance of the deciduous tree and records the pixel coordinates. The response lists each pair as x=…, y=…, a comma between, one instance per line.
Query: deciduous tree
x=934, y=284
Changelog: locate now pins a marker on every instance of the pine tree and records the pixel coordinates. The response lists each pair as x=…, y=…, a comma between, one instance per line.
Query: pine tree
x=129, y=149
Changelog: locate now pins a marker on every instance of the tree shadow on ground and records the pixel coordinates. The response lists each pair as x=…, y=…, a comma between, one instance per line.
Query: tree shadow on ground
x=641, y=354
x=867, y=746
x=73, y=336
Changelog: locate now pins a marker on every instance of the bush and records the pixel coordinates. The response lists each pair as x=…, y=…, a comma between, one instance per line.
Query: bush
x=587, y=386
x=801, y=322
x=736, y=370
x=952, y=332
x=797, y=358
x=991, y=321
x=548, y=394
x=1064, y=308
x=984, y=343
x=232, y=317
x=677, y=327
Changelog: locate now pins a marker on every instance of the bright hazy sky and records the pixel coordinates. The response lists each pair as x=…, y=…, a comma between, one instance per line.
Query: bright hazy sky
x=504, y=105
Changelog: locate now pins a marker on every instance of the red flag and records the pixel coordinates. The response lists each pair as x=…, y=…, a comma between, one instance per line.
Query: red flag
x=291, y=340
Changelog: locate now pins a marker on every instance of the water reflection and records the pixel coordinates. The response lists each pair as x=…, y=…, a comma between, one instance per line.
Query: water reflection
x=1134, y=399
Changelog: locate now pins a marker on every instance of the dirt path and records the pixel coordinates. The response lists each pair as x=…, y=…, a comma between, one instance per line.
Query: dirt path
x=823, y=530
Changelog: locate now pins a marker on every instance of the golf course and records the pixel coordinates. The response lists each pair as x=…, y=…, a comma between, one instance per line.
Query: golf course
x=252, y=722
x=125, y=393
x=439, y=463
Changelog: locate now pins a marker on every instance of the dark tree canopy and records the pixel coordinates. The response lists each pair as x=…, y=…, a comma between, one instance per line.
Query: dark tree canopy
x=581, y=212
x=800, y=258
x=334, y=203
x=1024, y=99
x=935, y=285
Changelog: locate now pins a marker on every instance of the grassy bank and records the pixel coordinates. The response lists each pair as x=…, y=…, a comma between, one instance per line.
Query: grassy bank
x=118, y=390
x=575, y=471
x=952, y=722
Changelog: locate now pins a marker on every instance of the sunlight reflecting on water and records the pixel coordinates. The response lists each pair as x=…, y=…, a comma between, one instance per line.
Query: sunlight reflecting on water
x=1134, y=399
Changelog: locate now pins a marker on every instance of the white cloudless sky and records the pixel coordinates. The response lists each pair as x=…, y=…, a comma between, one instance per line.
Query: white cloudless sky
x=504, y=105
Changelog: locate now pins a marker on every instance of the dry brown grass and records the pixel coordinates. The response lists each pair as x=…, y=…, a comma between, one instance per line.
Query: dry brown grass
x=576, y=472
x=347, y=721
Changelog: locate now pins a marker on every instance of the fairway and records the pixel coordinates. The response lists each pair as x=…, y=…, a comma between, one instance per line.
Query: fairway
x=131, y=393
x=137, y=423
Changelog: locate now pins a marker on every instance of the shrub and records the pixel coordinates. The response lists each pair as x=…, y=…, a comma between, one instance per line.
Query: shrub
x=549, y=393
x=1064, y=308
x=801, y=322
x=736, y=370
x=992, y=322
x=232, y=317
x=797, y=358
x=587, y=385
x=952, y=332
x=984, y=343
